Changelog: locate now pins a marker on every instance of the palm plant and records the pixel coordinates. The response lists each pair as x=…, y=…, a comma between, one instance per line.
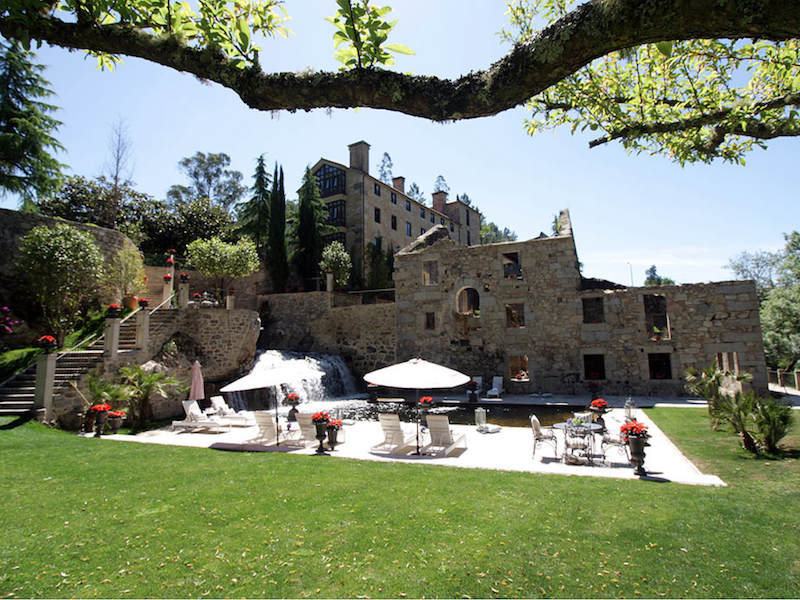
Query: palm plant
x=773, y=419
x=712, y=384
x=104, y=391
x=144, y=386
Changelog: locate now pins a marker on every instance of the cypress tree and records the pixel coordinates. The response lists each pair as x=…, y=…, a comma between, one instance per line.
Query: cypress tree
x=26, y=166
x=254, y=214
x=311, y=226
x=279, y=262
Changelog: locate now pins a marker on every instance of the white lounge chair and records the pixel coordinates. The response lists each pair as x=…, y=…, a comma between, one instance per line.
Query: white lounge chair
x=542, y=435
x=478, y=389
x=443, y=440
x=497, y=387
x=228, y=416
x=195, y=419
x=268, y=433
x=394, y=438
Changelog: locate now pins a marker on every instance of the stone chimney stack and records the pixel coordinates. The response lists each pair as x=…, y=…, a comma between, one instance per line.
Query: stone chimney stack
x=359, y=156
x=399, y=183
x=439, y=200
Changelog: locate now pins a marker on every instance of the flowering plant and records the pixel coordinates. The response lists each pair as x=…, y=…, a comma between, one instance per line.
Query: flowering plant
x=184, y=276
x=473, y=384
x=599, y=403
x=167, y=277
x=113, y=306
x=334, y=424
x=320, y=417
x=144, y=302
x=170, y=261
x=171, y=251
x=634, y=429
x=46, y=340
x=197, y=295
x=6, y=320
x=593, y=384
x=104, y=407
x=426, y=401
x=116, y=414
x=293, y=397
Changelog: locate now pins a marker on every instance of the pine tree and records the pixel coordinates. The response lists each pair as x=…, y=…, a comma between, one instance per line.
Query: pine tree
x=278, y=260
x=254, y=214
x=311, y=226
x=27, y=167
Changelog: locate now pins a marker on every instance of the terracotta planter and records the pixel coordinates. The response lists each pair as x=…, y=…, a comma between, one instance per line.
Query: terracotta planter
x=130, y=302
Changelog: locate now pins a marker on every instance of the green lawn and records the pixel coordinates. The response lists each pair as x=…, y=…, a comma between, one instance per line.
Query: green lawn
x=95, y=518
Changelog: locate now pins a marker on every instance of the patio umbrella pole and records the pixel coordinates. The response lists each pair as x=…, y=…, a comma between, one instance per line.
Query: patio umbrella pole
x=417, y=453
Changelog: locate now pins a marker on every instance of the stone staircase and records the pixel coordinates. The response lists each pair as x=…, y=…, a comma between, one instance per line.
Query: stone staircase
x=17, y=395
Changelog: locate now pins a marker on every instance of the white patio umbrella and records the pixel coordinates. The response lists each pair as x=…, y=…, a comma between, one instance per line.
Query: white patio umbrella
x=417, y=374
x=197, y=389
x=259, y=380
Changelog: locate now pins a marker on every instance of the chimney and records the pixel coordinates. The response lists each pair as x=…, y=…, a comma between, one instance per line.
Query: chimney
x=399, y=183
x=359, y=156
x=439, y=200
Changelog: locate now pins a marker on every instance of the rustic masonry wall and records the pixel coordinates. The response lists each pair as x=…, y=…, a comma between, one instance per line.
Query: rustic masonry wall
x=15, y=225
x=705, y=320
x=363, y=335
x=224, y=342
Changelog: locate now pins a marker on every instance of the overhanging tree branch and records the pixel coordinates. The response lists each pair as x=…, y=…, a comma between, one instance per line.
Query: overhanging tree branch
x=590, y=31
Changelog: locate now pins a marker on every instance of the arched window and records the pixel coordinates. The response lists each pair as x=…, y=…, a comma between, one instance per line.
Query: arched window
x=468, y=301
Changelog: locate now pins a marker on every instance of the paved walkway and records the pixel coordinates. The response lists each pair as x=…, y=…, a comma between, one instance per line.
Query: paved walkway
x=509, y=449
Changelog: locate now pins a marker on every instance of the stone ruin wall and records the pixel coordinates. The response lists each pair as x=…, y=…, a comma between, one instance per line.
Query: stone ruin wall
x=363, y=335
x=705, y=320
x=223, y=341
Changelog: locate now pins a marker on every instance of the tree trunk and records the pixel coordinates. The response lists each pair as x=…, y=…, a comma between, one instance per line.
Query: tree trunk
x=748, y=443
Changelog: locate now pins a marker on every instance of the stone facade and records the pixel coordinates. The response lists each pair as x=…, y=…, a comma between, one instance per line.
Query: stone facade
x=364, y=208
x=522, y=308
x=363, y=335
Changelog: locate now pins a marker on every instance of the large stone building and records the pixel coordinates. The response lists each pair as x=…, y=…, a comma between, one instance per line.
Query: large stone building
x=365, y=210
x=522, y=310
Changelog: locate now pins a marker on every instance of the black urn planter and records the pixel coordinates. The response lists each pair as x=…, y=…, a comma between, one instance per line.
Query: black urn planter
x=100, y=422
x=322, y=432
x=333, y=435
x=637, y=445
x=116, y=424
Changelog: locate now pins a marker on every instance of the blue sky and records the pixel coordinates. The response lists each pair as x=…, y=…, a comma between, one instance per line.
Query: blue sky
x=628, y=211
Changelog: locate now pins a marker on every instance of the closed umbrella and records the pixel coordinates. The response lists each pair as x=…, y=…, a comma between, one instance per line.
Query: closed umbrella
x=417, y=374
x=197, y=390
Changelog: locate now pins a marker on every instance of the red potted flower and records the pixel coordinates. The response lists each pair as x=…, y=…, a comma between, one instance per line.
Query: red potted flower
x=635, y=433
x=320, y=420
x=48, y=342
x=599, y=405
x=426, y=402
x=170, y=261
x=113, y=310
x=167, y=278
x=184, y=277
x=334, y=425
x=144, y=302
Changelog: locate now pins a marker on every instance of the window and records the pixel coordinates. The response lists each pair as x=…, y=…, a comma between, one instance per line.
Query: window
x=441, y=220
x=334, y=237
x=430, y=272
x=515, y=315
x=422, y=231
x=377, y=189
x=511, y=268
x=728, y=361
x=452, y=228
x=408, y=228
x=408, y=205
x=594, y=366
x=660, y=366
x=467, y=218
x=377, y=215
x=336, y=213
x=433, y=218
x=468, y=302
x=655, y=314
x=394, y=222
x=518, y=368
x=330, y=180
x=469, y=241
x=430, y=321
x=592, y=310
x=394, y=198
x=422, y=213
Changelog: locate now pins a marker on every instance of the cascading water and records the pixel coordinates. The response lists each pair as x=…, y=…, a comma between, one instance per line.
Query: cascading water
x=313, y=377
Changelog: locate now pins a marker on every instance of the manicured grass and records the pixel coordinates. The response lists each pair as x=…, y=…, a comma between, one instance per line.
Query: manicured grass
x=97, y=518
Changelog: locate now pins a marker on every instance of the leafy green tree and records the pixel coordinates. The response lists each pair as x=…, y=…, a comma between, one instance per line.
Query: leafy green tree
x=210, y=178
x=759, y=266
x=440, y=185
x=780, y=326
x=254, y=214
x=125, y=275
x=336, y=260
x=278, y=255
x=491, y=234
x=696, y=81
x=144, y=385
x=310, y=228
x=653, y=278
x=385, y=169
x=60, y=268
x=27, y=165
x=218, y=260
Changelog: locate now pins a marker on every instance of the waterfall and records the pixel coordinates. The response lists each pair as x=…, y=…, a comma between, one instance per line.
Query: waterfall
x=314, y=377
